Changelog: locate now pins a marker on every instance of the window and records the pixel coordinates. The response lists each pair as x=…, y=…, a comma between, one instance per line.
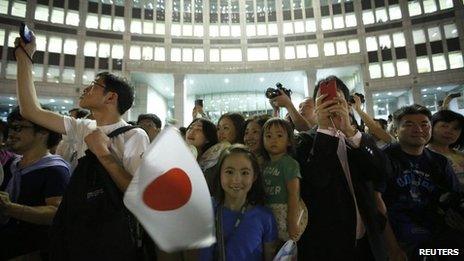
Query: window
x=395, y=12
x=136, y=26
x=450, y=31
x=199, y=55
x=250, y=30
x=148, y=27
x=198, y=30
x=368, y=17
x=118, y=24
x=19, y=9
x=55, y=44
x=341, y=47
x=187, y=55
x=439, y=62
x=147, y=53
x=176, y=30
x=70, y=46
x=104, y=50
x=135, y=53
x=214, y=55
x=105, y=22
x=224, y=30
x=371, y=43
x=117, y=51
x=41, y=13
x=160, y=28
x=41, y=42
x=398, y=40
x=338, y=21
x=72, y=18
x=288, y=28
x=274, y=53
x=213, y=30
x=289, y=52
x=68, y=75
x=299, y=27
x=384, y=41
x=160, y=54
x=423, y=64
x=92, y=21
x=3, y=6
x=301, y=51
x=455, y=60
x=402, y=66
x=53, y=74
x=429, y=6
x=257, y=54
x=326, y=23
x=388, y=69
x=374, y=71
x=353, y=46
x=231, y=55
x=37, y=72
x=235, y=30
x=313, y=51
x=418, y=36
x=273, y=29
x=90, y=49
x=57, y=16
x=350, y=20
x=414, y=8
x=381, y=15
x=88, y=76
x=176, y=54
x=434, y=34
x=310, y=26
x=329, y=49
x=445, y=4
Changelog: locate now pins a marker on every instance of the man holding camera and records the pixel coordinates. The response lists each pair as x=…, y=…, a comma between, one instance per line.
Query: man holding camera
x=417, y=180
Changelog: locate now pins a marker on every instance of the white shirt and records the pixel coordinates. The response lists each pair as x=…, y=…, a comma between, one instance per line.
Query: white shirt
x=128, y=147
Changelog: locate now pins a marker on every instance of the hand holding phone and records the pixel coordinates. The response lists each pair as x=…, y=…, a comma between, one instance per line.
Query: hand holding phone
x=25, y=33
x=329, y=88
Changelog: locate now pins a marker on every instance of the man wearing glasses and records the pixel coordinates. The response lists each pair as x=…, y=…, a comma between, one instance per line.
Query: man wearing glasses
x=107, y=98
x=31, y=192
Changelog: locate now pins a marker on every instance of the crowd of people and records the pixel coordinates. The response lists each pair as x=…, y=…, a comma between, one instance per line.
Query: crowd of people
x=341, y=189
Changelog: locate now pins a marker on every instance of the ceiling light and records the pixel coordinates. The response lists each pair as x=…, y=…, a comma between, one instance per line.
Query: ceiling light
x=377, y=95
x=51, y=100
x=191, y=81
x=439, y=88
x=424, y=90
x=66, y=101
x=261, y=79
x=11, y=105
x=12, y=98
x=425, y=96
x=62, y=107
x=226, y=80
x=389, y=93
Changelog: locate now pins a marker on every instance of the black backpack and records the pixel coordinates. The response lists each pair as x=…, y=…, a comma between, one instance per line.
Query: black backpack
x=92, y=222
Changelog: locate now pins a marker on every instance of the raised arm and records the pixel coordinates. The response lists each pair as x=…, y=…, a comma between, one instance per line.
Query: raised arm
x=301, y=124
x=27, y=96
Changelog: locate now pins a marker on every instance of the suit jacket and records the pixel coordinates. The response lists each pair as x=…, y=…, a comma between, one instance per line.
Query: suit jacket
x=331, y=231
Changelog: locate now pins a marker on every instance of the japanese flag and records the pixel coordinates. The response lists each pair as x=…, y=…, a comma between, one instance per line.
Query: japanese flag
x=169, y=195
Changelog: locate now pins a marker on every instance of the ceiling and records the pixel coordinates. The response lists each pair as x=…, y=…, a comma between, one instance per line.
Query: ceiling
x=57, y=104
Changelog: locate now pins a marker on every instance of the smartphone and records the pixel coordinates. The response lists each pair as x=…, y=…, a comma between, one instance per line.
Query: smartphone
x=329, y=88
x=25, y=33
x=455, y=95
x=199, y=102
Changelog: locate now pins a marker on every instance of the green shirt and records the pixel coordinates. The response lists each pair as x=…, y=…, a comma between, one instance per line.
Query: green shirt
x=276, y=175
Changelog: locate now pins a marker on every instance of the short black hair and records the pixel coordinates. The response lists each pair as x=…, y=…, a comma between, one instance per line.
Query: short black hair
x=288, y=129
x=383, y=123
x=410, y=110
x=340, y=85
x=53, y=137
x=150, y=116
x=80, y=113
x=121, y=86
x=239, y=124
x=450, y=116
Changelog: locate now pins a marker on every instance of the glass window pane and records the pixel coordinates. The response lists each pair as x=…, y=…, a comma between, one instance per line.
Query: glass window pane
x=313, y=51
x=213, y=30
x=72, y=18
x=41, y=42
x=445, y=4
x=235, y=30
x=53, y=74
x=257, y=54
x=381, y=15
x=19, y=9
x=384, y=41
x=388, y=69
x=68, y=75
x=231, y=55
x=176, y=54
x=251, y=30
x=434, y=34
x=54, y=45
x=147, y=53
x=37, y=72
x=2, y=37
x=148, y=27
x=414, y=8
x=118, y=24
x=299, y=27
x=310, y=26
x=326, y=23
x=11, y=38
x=91, y=21
x=224, y=30
x=274, y=53
x=338, y=21
x=41, y=13
x=429, y=6
x=187, y=55
x=288, y=28
x=11, y=70
x=439, y=62
x=187, y=30
x=117, y=51
x=450, y=31
x=398, y=40
x=301, y=51
x=176, y=30
x=341, y=47
x=272, y=29
x=350, y=20
x=199, y=55
x=135, y=53
x=70, y=46
x=160, y=54
x=353, y=46
x=3, y=6
x=289, y=52
x=402, y=67
x=88, y=76
x=198, y=30
x=455, y=60
x=214, y=55
x=418, y=36
x=105, y=22
x=371, y=43
x=423, y=64
x=104, y=50
x=374, y=71
x=329, y=49
x=90, y=49
x=136, y=26
x=57, y=15
x=395, y=12
x=261, y=29
x=160, y=28
x=368, y=17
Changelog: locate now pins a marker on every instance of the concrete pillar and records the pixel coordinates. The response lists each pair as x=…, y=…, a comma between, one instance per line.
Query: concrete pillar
x=311, y=77
x=179, y=98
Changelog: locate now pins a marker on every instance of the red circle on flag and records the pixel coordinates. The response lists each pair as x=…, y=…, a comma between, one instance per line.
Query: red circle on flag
x=169, y=191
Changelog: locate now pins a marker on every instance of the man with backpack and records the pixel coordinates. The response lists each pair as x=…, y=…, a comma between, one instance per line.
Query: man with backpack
x=91, y=222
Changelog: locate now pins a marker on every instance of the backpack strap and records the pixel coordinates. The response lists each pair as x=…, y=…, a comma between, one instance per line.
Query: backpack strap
x=121, y=130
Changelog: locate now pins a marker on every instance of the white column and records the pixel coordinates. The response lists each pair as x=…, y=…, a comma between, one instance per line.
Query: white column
x=311, y=77
x=179, y=98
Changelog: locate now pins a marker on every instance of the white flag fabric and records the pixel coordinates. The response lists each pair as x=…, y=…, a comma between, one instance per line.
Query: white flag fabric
x=169, y=195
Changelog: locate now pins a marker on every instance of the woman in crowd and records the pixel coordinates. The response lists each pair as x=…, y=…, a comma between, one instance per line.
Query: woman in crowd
x=245, y=229
x=282, y=179
x=201, y=133
x=230, y=128
x=252, y=136
x=447, y=137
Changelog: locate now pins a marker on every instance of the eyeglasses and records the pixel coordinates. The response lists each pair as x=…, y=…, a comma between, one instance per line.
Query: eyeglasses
x=19, y=128
x=93, y=83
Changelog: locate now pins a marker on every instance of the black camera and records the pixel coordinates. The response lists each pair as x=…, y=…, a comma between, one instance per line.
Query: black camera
x=452, y=200
x=271, y=93
x=360, y=95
